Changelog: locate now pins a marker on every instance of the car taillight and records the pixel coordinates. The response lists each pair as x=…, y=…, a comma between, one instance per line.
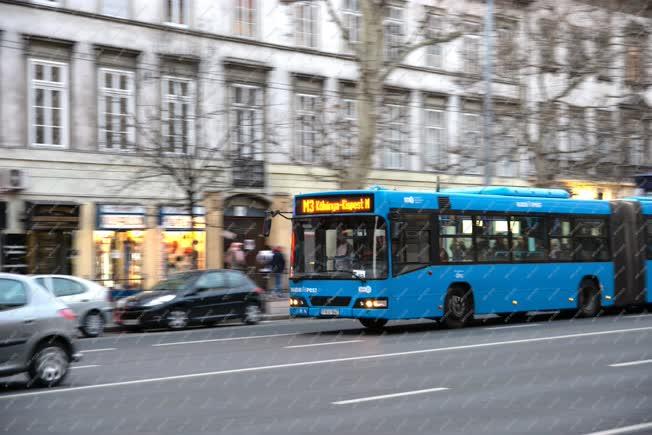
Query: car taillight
x=67, y=314
x=259, y=290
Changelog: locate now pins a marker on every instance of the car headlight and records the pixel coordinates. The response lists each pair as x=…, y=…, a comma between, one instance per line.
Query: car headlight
x=159, y=300
x=120, y=303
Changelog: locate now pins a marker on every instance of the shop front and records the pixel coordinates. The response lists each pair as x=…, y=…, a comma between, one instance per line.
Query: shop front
x=119, y=241
x=183, y=239
x=50, y=232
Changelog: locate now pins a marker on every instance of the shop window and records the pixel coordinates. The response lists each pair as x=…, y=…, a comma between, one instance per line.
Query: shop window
x=411, y=240
x=12, y=294
x=119, y=258
x=590, y=240
x=456, y=239
x=528, y=238
x=184, y=251
x=66, y=287
x=560, y=241
x=492, y=238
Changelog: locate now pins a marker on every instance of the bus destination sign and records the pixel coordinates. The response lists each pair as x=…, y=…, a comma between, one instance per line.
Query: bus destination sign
x=335, y=204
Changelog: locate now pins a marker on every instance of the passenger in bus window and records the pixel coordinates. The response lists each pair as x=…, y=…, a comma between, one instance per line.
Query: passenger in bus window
x=458, y=250
x=555, y=249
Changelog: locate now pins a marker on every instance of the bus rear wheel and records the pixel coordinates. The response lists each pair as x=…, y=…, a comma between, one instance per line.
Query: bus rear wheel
x=373, y=324
x=589, y=299
x=458, y=307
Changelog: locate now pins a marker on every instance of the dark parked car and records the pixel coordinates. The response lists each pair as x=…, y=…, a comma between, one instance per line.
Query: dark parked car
x=196, y=297
x=36, y=332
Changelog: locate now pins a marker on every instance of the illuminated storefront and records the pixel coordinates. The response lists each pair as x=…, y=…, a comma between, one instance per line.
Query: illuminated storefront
x=183, y=241
x=119, y=242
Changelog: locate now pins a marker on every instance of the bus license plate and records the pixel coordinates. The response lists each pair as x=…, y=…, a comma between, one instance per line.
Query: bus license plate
x=330, y=312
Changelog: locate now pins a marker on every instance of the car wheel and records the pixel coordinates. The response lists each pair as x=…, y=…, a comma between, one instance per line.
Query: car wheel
x=49, y=366
x=373, y=324
x=252, y=314
x=589, y=299
x=93, y=324
x=458, y=308
x=177, y=319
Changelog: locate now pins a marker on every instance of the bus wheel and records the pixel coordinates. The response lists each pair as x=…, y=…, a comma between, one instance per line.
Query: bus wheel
x=458, y=308
x=373, y=324
x=589, y=299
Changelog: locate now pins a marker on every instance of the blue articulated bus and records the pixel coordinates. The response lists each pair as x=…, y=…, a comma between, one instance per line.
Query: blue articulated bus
x=378, y=255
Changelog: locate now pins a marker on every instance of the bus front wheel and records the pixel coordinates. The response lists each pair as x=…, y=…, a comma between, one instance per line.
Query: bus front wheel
x=373, y=324
x=458, y=308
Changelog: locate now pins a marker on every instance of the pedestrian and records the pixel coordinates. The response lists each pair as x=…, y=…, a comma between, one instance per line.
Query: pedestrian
x=278, y=267
x=194, y=255
x=235, y=257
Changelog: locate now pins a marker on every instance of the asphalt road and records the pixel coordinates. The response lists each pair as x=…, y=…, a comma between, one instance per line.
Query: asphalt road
x=568, y=376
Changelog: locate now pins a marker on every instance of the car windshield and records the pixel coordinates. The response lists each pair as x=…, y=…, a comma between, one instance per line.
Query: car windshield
x=340, y=247
x=177, y=282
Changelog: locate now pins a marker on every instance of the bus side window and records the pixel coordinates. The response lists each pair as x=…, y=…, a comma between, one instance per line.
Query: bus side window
x=411, y=239
x=456, y=239
x=559, y=232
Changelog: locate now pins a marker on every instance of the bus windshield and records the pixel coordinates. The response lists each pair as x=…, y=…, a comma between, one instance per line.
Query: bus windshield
x=340, y=247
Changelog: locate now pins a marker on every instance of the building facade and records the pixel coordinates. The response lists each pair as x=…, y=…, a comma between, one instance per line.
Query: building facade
x=84, y=83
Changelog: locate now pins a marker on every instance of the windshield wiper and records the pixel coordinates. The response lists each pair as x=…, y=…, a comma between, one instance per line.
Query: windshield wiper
x=354, y=275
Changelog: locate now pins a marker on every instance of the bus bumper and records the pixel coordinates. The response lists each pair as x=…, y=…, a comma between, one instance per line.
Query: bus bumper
x=337, y=312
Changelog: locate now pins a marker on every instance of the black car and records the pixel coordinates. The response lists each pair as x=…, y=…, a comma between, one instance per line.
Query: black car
x=196, y=297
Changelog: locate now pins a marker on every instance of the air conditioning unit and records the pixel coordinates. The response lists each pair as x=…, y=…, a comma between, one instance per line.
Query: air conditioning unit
x=13, y=179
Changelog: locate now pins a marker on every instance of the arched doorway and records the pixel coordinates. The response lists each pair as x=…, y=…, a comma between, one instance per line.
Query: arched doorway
x=243, y=222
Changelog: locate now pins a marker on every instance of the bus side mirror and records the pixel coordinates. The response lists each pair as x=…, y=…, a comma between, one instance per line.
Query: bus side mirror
x=267, y=225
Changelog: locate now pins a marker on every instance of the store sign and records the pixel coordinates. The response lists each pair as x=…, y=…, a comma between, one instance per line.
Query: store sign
x=178, y=218
x=120, y=217
x=122, y=222
x=335, y=204
x=55, y=216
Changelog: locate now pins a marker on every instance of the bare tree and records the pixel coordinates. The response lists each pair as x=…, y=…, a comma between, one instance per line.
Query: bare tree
x=378, y=46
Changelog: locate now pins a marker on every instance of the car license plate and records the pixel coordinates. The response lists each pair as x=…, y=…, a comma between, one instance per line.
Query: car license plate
x=129, y=322
x=330, y=312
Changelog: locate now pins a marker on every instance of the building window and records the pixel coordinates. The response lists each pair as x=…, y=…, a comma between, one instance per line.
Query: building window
x=245, y=18
x=434, y=52
x=604, y=133
x=471, y=142
x=634, y=65
x=116, y=109
x=176, y=12
x=348, y=131
x=507, y=154
x=395, y=138
x=576, y=134
x=506, y=48
x=306, y=19
x=178, y=115
x=306, y=125
x=635, y=141
x=471, y=49
x=48, y=103
x=393, y=32
x=548, y=30
x=116, y=8
x=247, y=121
x=578, y=52
x=435, y=133
x=352, y=20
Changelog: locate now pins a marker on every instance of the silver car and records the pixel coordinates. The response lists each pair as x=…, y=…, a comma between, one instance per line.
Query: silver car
x=89, y=300
x=36, y=332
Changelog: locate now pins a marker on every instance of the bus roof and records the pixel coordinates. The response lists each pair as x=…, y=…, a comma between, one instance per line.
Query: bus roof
x=482, y=199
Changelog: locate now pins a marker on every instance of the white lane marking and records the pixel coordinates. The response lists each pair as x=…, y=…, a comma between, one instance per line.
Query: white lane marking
x=512, y=326
x=322, y=344
x=631, y=363
x=97, y=350
x=213, y=340
x=85, y=367
x=625, y=429
x=389, y=396
x=325, y=361
x=637, y=315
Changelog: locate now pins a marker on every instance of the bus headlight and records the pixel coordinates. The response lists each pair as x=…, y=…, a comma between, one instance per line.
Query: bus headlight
x=372, y=303
x=297, y=302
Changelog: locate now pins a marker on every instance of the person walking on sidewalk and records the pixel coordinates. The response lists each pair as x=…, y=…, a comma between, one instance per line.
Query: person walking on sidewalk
x=278, y=267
